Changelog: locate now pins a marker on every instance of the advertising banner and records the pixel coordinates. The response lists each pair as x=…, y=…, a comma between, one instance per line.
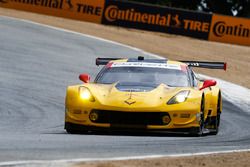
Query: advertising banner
x=156, y=18
x=230, y=30
x=86, y=10
x=205, y=26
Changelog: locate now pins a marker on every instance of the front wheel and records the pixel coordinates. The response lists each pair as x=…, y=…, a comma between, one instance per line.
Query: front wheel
x=71, y=129
x=216, y=120
x=74, y=131
x=199, y=131
x=216, y=125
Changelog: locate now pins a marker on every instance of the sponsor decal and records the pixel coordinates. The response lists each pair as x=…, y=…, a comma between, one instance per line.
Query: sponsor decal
x=155, y=18
x=196, y=25
x=87, y=10
x=150, y=65
x=45, y=3
x=113, y=13
x=70, y=4
x=230, y=30
x=220, y=29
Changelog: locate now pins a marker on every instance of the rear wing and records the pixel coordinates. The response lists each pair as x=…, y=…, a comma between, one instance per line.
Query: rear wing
x=205, y=64
x=104, y=61
x=200, y=64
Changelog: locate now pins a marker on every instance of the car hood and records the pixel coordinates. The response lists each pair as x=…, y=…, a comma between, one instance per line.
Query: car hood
x=132, y=96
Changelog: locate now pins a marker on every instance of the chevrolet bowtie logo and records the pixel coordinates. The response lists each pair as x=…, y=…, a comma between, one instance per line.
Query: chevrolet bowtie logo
x=130, y=101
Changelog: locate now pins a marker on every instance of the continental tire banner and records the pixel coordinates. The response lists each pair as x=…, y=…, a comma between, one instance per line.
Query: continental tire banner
x=87, y=10
x=140, y=16
x=154, y=18
x=230, y=30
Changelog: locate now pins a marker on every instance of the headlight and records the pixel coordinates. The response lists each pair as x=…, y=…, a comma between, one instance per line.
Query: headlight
x=179, y=98
x=85, y=94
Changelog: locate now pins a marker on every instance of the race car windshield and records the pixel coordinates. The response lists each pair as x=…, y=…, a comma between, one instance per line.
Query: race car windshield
x=156, y=76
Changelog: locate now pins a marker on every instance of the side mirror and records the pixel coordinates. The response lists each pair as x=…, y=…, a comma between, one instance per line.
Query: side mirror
x=84, y=77
x=208, y=83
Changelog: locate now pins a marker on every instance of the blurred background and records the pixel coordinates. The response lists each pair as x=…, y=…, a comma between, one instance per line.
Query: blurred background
x=238, y=8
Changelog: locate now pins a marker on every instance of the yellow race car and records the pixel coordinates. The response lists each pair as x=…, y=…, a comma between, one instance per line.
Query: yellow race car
x=138, y=94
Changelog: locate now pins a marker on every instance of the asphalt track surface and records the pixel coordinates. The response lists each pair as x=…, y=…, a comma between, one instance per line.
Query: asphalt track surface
x=37, y=64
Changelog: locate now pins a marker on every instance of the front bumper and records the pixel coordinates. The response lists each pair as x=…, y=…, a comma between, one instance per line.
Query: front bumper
x=146, y=120
x=83, y=129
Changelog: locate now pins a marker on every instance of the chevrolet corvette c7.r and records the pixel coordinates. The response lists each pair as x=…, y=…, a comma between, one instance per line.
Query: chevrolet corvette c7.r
x=138, y=94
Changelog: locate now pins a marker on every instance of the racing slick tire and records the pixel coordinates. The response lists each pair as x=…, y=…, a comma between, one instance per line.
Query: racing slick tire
x=216, y=120
x=74, y=129
x=199, y=131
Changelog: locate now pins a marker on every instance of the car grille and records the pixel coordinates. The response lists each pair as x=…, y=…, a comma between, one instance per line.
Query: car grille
x=130, y=118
